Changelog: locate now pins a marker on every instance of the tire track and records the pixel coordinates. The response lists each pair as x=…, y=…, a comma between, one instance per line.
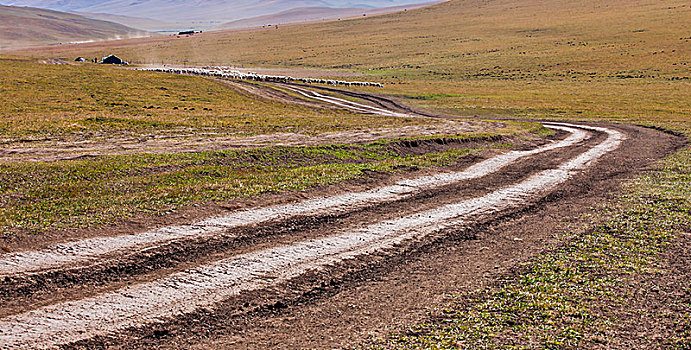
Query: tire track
x=204, y=286
x=94, y=250
x=359, y=107
x=137, y=266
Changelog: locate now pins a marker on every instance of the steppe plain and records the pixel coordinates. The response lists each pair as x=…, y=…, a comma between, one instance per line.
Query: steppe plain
x=119, y=184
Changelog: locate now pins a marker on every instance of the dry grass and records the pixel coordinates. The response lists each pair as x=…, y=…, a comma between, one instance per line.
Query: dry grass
x=596, y=58
x=89, y=101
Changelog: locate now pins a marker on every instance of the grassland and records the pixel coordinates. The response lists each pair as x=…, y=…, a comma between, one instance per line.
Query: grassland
x=90, y=101
x=90, y=104
x=586, y=293
x=595, y=59
x=618, y=61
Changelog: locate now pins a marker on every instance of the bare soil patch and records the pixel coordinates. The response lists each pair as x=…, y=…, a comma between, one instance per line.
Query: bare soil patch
x=438, y=263
x=333, y=281
x=53, y=150
x=410, y=277
x=20, y=242
x=388, y=296
x=112, y=272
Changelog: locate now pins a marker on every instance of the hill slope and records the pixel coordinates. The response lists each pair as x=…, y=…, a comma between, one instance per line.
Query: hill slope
x=306, y=14
x=207, y=11
x=141, y=23
x=26, y=26
x=623, y=59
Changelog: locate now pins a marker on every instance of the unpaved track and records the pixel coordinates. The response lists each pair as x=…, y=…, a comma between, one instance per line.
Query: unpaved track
x=202, y=287
x=92, y=260
x=347, y=104
x=181, y=141
x=137, y=266
x=49, y=150
x=398, y=293
x=85, y=250
x=166, y=297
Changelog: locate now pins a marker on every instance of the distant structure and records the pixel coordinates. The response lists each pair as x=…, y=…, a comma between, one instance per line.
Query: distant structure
x=112, y=59
x=80, y=59
x=188, y=32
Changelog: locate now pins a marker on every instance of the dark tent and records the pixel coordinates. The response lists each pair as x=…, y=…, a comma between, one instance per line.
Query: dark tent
x=79, y=59
x=112, y=59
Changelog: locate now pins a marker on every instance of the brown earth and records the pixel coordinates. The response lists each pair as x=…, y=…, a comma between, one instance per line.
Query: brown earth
x=52, y=150
x=351, y=302
x=21, y=242
x=80, y=281
x=355, y=301
x=352, y=306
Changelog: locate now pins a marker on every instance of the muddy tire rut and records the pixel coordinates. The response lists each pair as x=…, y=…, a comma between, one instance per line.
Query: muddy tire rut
x=271, y=264
x=145, y=286
x=271, y=220
x=115, y=270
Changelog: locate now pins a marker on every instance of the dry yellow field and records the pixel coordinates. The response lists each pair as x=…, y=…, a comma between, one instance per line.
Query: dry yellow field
x=603, y=59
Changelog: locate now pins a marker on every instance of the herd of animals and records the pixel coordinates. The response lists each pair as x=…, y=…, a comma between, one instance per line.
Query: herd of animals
x=225, y=72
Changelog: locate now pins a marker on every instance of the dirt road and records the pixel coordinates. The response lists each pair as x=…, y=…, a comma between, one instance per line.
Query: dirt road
x=177, y=286
x=57, y=148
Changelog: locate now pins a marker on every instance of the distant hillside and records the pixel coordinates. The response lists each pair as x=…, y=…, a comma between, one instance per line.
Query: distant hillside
x=141, y=23
x=26, y=26
x=306, y=14
x=198, y=12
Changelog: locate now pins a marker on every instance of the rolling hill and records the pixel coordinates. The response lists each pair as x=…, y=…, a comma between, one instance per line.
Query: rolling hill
x=206, y=12
x=307, y=14
x=561, y=52
x=26, y=26
x=141, y=23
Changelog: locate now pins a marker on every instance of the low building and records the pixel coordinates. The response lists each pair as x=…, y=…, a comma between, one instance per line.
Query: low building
x=112, y=59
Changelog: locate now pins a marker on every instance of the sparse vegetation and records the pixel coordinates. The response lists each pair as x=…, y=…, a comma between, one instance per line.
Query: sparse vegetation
x=578, y=294
x=91, y=192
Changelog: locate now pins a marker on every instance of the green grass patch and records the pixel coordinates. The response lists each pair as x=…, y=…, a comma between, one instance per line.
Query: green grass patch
x=39, y=196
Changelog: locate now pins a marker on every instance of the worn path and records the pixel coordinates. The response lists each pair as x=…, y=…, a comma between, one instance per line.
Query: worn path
x=360, y=227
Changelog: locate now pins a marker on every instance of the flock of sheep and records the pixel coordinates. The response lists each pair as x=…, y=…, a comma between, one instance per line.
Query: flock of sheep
x=224, y=72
